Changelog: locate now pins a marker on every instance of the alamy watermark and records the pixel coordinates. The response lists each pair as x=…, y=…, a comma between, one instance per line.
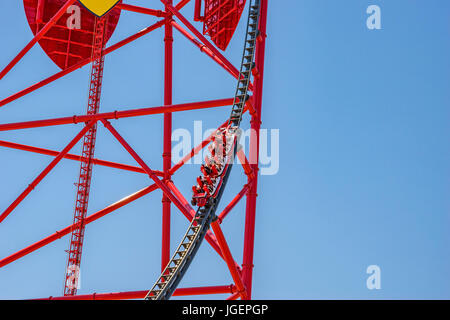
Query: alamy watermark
x=74, y=19
x=269, y=147
x=73, y=279
x=374, y=20
x=374, y=280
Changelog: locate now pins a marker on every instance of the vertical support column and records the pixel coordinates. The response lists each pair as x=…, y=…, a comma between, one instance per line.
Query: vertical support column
x=167, y=153
x=249, y=236
x=197, y=10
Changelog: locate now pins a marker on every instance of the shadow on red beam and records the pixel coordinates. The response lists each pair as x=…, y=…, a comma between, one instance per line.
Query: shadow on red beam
x=152, y=12
x=117, y=114
x=69, y=156
x=141, y=294
x=61, y=233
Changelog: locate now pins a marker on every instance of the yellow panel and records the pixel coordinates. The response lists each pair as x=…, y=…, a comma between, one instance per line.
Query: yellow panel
x=99, y=7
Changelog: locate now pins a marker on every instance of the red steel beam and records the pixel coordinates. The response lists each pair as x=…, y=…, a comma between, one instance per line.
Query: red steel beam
x=234, y=296
x=141, y=294
x=132, y=8
x=197, y=11
x=181, y=4
x=167, y=141
x=233, y=202
x=36, y=38
x=44, y=173
x=110, y=164
x=61, y=233
x=250, y=217
x=245, y=164
x=117, y=114
x=249, y=105
x=229, y=259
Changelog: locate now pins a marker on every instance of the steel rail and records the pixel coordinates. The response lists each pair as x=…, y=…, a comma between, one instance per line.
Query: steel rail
x=171, y=276
x=185, y=253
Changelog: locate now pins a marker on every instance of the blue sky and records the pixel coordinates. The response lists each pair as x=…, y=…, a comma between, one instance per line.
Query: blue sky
x=363, y=119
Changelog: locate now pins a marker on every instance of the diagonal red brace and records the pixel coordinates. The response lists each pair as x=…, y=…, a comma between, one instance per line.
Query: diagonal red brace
x=147, y=169
x=36, y=38
x=203, y=48
x=61, y=233
x=69, y=156
x=233, y=203
x=229, y=260
x=234, y=296
x=245, y=164
x=152, y=12
x=44, y=173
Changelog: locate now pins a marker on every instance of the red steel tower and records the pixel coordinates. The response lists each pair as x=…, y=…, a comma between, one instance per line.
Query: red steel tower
x=73, y=47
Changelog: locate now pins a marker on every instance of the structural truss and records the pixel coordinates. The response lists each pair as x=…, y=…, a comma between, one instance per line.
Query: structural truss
x=220, y=19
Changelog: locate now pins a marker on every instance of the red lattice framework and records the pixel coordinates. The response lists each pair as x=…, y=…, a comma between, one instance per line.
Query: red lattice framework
x=171, y=18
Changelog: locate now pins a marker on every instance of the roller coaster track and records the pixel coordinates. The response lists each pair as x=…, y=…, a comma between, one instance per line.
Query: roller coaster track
x=185, y=253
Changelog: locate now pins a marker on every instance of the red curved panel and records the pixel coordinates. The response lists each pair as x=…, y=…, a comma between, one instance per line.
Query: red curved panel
x=70, y=40
x=221, y=19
